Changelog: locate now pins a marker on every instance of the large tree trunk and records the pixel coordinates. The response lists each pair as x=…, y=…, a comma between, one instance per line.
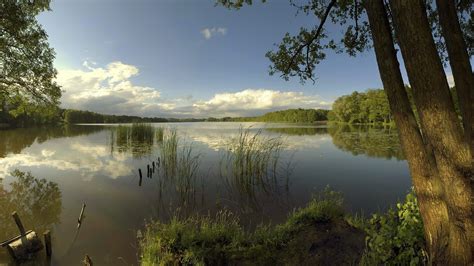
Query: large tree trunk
x=439, y=123
x=423, y=170
x=460, y=65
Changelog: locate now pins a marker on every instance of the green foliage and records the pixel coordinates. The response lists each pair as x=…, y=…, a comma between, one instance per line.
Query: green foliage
x=18, y=111
x=77, y=116
x=221, y=240
x=368, y=107
x=396, y=238
x=37, y=201
x=295, y=115
x=25, y=56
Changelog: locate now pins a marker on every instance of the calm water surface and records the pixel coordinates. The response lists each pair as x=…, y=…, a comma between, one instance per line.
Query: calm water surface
x=92, y=164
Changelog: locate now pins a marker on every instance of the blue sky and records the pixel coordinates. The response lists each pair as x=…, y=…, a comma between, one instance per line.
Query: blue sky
x=188, y=58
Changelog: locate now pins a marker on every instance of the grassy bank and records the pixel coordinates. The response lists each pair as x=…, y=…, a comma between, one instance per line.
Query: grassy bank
x=318, y=234
x=319, y=228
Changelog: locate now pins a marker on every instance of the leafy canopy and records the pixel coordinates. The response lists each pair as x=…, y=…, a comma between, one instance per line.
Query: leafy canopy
x=26, y=59
x=297, y=55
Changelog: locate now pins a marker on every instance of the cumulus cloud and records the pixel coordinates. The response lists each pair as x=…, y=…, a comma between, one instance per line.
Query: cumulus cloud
x=107, y=90
x=211, y=32
x=248, y=101
x=110, y=90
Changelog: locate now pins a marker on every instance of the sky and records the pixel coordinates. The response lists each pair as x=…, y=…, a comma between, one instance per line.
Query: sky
x=188, y=58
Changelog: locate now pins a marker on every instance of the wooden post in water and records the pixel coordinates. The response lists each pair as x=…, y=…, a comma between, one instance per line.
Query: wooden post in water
x=81, y=216
x=18, y=223
x=148, y=170
x=140, y=181
x=153, y=164
x=140, y=172
x=159, y=161
x=47, y=243
x=87, y=261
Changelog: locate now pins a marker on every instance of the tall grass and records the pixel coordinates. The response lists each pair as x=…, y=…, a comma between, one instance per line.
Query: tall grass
x=137, y=138
x=169, y=152
x=179, y=169
x=252, y=163
x=142, y=132
x=159, y=134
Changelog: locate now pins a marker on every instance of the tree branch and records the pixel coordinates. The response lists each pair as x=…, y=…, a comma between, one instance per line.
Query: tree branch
x=310, y=41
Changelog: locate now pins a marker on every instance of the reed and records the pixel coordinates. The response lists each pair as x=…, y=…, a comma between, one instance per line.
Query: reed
x=159, y=134
x=137, y=138
x=252, y=158
x=169, y=152
x=142, y=132
x=252, y=166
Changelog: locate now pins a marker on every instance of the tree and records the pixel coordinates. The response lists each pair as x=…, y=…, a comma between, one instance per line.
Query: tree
x=26, y=60
x=436, y=148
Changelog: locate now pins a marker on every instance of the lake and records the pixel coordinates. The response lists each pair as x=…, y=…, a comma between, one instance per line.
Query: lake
x=98, y=166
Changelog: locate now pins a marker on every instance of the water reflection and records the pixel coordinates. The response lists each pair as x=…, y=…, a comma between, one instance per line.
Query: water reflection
x=99, y=165
x=14, y=141
x=379, y=142
x=37, y=202
x=298, y=131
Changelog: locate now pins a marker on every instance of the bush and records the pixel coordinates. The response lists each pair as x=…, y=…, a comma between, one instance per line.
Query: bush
x=396, y=238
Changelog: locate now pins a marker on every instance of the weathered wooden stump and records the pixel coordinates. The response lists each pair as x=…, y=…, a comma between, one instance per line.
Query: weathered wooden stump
x=24, y=246
x=47, y=243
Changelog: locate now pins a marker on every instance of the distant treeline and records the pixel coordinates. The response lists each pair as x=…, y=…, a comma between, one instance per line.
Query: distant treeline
x=77, y=116
x=370, y=107
x=290, y=115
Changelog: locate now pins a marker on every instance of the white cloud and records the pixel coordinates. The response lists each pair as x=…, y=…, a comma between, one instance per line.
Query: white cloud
x=107, y=90
x=110, y=90
x=248, y=101
x=210, y=32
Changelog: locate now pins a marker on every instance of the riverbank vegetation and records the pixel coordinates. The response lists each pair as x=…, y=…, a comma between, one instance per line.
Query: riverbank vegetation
x=318, y=234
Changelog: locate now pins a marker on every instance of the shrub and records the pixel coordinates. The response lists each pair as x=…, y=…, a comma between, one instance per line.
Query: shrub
x=396, y=238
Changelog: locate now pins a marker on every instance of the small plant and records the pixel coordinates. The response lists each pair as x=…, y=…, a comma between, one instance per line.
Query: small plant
x=396, y=238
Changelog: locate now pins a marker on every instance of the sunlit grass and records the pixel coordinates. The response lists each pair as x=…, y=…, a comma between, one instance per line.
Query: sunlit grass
x=221, y=239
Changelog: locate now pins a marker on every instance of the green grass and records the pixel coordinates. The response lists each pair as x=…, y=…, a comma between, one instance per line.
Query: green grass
x=179, y=169
x=252, y=164
x=142, y=132
x=137, y=138
x=169, y=152
x=221, y=239
x=159, y=134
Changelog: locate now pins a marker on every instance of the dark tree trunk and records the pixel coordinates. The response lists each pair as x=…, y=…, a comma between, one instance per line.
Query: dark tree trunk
x=439, y=123
x=423, y=170
x=460, y=65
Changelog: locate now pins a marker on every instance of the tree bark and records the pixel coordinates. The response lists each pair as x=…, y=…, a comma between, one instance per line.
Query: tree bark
x=423, y=170
x=439, y=123
x=460, y=65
